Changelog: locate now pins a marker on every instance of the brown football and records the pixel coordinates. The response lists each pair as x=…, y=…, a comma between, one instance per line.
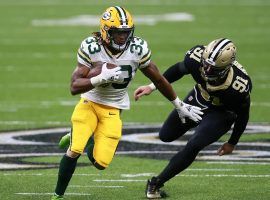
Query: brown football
x=96, y=70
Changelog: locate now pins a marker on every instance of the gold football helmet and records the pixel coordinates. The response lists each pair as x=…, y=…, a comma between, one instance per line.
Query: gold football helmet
x=116, y=20
x=217, y=59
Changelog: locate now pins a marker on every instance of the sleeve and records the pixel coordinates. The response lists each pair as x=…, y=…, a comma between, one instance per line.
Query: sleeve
x=83, y=55
x=143, y=52
x=193, y=57
x=240, y=122
x=176, y=72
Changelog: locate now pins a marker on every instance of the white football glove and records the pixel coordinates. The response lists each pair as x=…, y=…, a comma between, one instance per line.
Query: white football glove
x=106, y=76
x=186, y=110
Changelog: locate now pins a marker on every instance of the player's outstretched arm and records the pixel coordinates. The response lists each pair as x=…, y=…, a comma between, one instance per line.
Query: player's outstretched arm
x=184, y=110
x=172, y=74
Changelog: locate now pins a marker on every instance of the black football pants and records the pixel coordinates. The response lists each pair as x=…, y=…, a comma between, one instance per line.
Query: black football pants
x=213, y=125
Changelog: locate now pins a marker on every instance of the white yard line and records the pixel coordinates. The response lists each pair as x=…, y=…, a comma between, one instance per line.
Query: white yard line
x=146, y=175
x=122, y=175
x=46, y=194
x=227, y=175
x=191, y=175
x=119, y=180
x=20, y=155
x=237, y=163
x=93, y=20
x=96, y=186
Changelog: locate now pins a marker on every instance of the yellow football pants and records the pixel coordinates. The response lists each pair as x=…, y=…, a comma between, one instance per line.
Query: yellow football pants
x=104, y=122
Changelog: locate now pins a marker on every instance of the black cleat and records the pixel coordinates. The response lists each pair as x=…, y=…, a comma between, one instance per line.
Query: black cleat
x=153, y=191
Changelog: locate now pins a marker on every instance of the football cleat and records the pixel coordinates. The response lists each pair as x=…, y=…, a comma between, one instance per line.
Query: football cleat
x=57, y=197
x=65, y=141
x=153, y=191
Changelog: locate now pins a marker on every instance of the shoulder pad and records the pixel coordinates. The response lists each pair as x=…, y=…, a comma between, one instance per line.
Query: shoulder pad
x=240, y=67
x=139, y=47
x=88, y=50
x=193, y=56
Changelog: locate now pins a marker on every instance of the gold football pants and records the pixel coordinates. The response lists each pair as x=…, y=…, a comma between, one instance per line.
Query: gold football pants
x=104, y=122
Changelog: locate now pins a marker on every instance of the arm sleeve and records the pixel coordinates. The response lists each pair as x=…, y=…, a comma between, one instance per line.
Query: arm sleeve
x=175, y=72
x=83, y=55
x=140, y=47
x=240, y=122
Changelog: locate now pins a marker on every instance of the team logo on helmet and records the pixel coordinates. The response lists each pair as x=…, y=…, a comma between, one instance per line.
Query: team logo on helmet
x=106, y=15
x=113, y=21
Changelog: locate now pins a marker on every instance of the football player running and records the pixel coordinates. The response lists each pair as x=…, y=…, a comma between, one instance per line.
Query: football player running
x=222, y=91
x=105, y=95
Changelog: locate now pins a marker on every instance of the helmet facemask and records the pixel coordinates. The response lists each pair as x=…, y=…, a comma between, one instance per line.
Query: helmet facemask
x=119, y=38
x=217, y=59
x=212, y=73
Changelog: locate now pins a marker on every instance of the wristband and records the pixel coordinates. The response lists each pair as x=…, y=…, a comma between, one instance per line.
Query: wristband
x=177, y=103
x=152, y=86
x=95, y=81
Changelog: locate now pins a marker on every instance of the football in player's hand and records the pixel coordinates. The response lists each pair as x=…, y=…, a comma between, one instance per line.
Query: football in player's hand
x=97, y=67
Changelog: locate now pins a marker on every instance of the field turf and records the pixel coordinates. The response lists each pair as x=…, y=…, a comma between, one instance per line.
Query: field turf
x=126, y=179
x=36, y=62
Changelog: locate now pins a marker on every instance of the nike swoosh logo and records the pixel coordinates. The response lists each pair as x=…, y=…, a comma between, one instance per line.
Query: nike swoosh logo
x=112, y=114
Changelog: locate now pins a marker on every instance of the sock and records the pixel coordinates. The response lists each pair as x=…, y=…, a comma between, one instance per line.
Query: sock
x=90, y=148
x=66, y=170
x=178, y=163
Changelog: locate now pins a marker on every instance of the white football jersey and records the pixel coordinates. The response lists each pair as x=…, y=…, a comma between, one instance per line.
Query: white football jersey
x=136, y=55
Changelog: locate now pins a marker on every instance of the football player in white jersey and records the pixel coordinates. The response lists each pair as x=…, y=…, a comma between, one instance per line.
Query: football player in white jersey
x=103, y=96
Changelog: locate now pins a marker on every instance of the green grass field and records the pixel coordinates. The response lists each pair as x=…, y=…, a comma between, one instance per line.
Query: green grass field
x=126, y=179
x=36, y=62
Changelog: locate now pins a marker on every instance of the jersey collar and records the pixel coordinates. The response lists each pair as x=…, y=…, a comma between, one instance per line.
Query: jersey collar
x=224, y=85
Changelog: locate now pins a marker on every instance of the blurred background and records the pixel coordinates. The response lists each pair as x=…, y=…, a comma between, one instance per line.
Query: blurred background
x=38, y=53
x=39, y=41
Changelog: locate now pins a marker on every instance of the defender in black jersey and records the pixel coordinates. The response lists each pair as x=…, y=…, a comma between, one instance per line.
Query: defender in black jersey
x=222, y=90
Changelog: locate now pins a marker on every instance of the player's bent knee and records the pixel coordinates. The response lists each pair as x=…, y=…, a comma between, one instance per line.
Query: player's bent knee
x=165, y=138
x=72, y=154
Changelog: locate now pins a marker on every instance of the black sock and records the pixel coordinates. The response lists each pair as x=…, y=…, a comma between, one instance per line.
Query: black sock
x=177, y=164
x=89, y=149
x=66, y=169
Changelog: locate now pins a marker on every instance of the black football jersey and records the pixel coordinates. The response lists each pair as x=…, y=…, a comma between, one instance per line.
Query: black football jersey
x=231, y=94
